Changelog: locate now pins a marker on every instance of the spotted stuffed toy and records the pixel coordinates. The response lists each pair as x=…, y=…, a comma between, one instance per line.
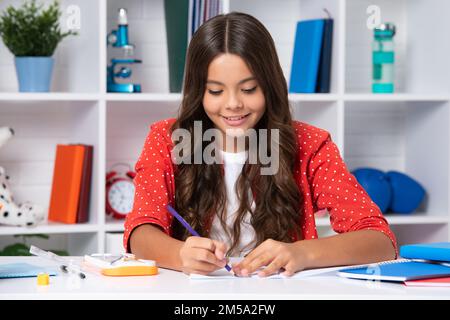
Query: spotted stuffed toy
x=25, y=214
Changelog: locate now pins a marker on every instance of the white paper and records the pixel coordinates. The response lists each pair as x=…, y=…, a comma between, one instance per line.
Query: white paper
x=224, y=274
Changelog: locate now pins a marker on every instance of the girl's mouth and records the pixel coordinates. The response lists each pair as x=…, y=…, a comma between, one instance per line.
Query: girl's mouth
x=235, y=120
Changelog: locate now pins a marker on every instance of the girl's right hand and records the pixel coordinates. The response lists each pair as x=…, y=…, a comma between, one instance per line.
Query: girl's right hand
x=202, y=255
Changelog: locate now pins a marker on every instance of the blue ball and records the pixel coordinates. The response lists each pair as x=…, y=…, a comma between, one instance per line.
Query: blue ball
x=407, y=193
x=376, y=184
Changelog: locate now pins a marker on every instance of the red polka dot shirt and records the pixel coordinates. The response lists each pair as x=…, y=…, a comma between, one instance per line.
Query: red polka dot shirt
x=320, y=173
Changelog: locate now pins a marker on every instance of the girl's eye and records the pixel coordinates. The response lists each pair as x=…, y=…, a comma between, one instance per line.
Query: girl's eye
x=249, y=90
x=215, y=92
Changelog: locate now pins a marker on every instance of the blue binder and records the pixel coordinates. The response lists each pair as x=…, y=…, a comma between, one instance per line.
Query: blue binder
x=324, y=73
x=306, y=57
x=438, y=251
x=397, y=270
x=20, y=270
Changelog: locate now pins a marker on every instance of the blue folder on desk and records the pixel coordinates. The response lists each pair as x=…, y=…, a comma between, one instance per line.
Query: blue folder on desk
x=21, y=270
x=438, y=251
x=397, y=270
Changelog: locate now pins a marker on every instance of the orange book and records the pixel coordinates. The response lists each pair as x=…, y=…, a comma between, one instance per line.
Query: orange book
x=67, y=174
x=85, y=187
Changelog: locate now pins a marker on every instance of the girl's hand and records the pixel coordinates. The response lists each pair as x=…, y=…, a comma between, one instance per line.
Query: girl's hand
x=202, y=255
x=275, y=255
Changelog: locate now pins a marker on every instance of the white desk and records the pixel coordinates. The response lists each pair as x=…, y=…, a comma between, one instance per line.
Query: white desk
x=177, y=286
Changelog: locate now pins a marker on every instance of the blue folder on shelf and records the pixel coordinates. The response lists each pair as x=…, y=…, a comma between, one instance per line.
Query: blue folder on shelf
x=397, y=270
x=324, y=72
x=306, y=57
x=437, y=251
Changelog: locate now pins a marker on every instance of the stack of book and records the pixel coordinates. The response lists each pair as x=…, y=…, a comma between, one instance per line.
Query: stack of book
x=311, y=62
x=71, y=186
x=183, y=18
x=201, y=11
x=423, y=264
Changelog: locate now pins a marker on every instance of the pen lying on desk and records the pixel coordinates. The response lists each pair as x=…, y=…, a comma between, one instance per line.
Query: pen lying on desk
x=71, y=269
x=191, y=230
x=64, y=266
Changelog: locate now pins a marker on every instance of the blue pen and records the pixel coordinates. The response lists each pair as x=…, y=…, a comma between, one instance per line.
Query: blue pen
x=190, y=229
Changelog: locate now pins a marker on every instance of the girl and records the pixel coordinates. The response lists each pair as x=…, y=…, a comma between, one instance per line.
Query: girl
x=234, y=83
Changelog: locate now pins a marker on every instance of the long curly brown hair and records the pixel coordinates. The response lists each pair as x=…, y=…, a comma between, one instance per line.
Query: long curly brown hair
x=200, y=188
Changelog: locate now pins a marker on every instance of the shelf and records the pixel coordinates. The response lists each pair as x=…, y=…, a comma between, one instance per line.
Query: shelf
x=400, y=219
x=114, y=226
x=143, y=97
x=392, y=218
x=48, y=96
x=395, y=97
x=177, y=97
x=298, y=97
x=50, y=228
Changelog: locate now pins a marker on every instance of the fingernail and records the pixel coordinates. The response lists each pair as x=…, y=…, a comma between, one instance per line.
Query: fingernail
x=244, y=272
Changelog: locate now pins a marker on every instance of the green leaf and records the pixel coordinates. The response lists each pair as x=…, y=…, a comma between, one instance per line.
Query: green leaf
x=32, y=235
x=21, y=249
x=38, y=235
x=17, y=249
x=32, y=30
x=60, y=252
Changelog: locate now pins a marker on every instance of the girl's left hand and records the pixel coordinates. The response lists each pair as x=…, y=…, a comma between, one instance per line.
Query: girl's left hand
x=276, y=255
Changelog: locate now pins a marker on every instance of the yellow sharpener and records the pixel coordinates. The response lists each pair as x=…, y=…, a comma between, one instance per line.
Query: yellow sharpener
x=43, y=279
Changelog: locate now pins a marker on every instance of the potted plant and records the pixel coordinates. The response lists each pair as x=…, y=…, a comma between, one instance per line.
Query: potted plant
x=32, y=34
x=23, y=248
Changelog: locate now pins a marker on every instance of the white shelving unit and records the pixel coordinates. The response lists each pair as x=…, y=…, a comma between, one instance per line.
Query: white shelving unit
x=406, y=131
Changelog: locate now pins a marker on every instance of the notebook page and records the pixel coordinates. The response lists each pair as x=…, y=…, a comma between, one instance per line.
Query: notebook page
x=224, y=274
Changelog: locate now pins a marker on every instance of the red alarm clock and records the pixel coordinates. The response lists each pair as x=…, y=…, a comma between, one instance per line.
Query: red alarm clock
x=119, y=193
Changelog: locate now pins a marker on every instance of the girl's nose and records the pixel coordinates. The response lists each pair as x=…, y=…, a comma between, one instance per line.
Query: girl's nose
x=234, y=102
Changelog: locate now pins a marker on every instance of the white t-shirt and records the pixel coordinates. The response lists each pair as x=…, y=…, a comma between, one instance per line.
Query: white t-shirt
x=233, y=164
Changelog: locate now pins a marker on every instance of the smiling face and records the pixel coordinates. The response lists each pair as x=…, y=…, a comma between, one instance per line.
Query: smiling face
x=233, y=99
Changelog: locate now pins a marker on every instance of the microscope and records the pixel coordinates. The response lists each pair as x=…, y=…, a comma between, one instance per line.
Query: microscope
x=119, y=39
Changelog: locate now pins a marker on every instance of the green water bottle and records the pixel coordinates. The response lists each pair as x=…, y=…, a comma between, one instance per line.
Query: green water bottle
x=383, y=57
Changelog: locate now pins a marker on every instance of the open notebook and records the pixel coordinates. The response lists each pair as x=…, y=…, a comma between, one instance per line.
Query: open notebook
x=398, y=270
x=224, y=274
